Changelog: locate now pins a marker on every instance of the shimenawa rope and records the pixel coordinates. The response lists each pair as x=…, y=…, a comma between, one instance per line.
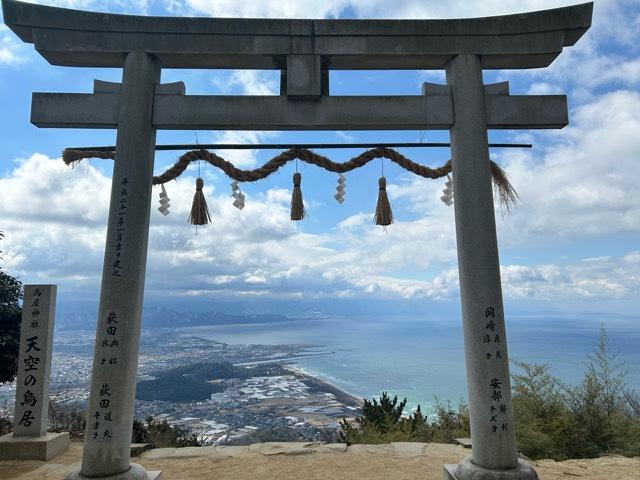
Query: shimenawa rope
x=503, y=188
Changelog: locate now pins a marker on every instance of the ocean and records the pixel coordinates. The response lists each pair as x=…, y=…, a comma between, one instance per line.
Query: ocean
x=420, y=358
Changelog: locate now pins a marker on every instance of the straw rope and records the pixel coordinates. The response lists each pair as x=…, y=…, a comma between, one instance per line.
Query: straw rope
x=502, y=186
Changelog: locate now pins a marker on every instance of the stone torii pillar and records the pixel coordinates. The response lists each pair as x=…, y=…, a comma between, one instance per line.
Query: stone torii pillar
x=107, y=443
x=493, y=440
x=304, y=51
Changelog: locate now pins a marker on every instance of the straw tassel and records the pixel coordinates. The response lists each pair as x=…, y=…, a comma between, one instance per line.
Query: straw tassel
x=384, y=215
x=297, y=206
x=199, y=210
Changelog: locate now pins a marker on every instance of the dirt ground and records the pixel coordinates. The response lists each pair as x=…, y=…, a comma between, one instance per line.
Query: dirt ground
x=309, y=462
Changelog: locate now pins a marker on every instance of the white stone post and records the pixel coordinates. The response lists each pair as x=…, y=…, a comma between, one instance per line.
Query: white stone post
x=111, y=401
x=30, y=439
x=487, y=362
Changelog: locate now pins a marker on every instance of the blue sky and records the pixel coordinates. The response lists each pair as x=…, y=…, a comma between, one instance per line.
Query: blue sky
x=572, y=244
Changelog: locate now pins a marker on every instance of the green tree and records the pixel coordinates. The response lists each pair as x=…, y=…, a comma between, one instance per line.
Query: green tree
x=162, y=434
x=382, y=422
x=598, y=403
x=542, y=418
x=10, y=315
x=597, y=415
x=450, y=423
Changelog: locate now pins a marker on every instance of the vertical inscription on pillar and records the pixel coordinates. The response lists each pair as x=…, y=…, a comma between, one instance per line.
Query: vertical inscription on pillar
x=121, y=230
x=103, y=416
x=491, y=338
x=34, y=360
x=491, y=341
x=497, y=410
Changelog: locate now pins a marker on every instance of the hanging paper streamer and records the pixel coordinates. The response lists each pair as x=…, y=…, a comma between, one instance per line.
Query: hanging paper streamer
x=447, y=197
x=340, y=189
x=297, y=206
x=384, y=215
x=237, y=195
x=199, y=210
x=164, y=202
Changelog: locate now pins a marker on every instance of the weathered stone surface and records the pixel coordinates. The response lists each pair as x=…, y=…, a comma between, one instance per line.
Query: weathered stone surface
x=230, y=451
x=107, y=444
x=156, y=453
x=362, y=449
x=186, y=452
x=34, y=361
x=286, y=448
x=321, y=466
x=467, y=470
x=190, y=452
x=139, y=448
x=134, y=472
x=409, y=449
x=304, y=76
x=332, y=448
x=527, y=40
x=465, y=442
x=485, y=341
x=44, y=447
x=396, y=112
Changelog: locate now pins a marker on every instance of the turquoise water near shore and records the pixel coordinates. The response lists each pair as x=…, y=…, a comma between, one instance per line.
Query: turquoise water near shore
x=418, y=358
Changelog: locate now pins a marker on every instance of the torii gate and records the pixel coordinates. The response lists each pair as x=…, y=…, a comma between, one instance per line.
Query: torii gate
x=304, y=51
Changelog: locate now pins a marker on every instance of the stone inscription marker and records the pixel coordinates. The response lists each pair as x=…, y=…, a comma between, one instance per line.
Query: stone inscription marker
x=29, y=439
x=34, y=361
x=304, y=51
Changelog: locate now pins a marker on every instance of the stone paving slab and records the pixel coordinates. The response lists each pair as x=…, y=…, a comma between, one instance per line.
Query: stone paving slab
x=283, y=448
x=139, y=448
x=465, y=442
x=371, y=450
x=409, y=449
x=397, y=461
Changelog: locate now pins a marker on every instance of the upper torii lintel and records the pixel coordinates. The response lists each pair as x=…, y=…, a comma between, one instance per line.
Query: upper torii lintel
x=89, y=39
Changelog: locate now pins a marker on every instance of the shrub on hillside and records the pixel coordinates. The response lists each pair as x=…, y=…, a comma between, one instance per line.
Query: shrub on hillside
x=598, y=415
x=67, y=418
x=162, y=434
x=382, y=422
x=10, y=318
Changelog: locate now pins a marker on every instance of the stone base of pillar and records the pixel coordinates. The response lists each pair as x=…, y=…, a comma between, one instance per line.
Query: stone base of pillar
x=135, y=472
x=43, y=447
x=466, y=470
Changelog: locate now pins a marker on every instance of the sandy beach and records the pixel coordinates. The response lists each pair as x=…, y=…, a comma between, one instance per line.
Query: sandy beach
x=318, y=384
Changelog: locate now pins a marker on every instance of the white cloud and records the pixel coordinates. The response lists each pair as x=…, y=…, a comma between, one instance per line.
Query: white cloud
x=603, y=278
x=244, y=82
x=241, y=158
x=261, y=9
x=585, y=182
x=12, y=51
x=247, y=82
x=578, y=182
x=597, y=278
x=54, y=219
x=544, y=88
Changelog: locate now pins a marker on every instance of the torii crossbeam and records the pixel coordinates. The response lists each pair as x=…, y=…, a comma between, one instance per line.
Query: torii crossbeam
x=304, y=51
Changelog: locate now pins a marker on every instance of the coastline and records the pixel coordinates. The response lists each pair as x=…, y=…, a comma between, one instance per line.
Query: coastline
x=325, y=386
